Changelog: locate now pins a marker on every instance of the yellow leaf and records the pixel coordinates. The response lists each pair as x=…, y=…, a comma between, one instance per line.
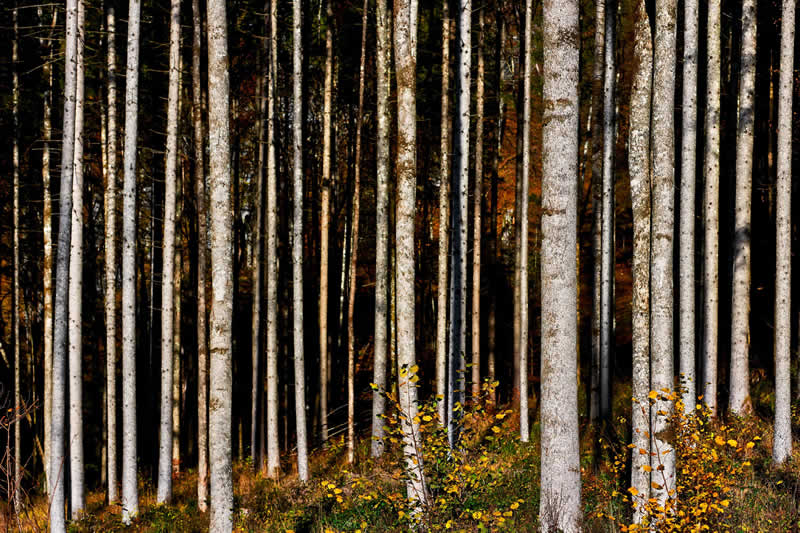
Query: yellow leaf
x=427, y=418
x=750, y=445
x=653, y=395
x=732, y=443
x=515, y=505
x=647, y=468
x=725, y=503
x=495, y=429
x=719, y=440
x=448, y=524
x=633, y=490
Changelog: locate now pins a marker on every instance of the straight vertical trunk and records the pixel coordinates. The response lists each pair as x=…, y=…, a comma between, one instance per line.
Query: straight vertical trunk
x=739, y=399
x=662, y=227
x=325, y=221
x=77, y=499
x=164, y=494
x=383, y=58
x=477, y=228
x=221, y=233
x=351, y=332
x=130, y=500
x=444, y=226
x=686, y=273
x=782, y=439
x=458, y=227
x=16, y=296
x=522, y=265
x=297, y=240
x=639, y=165
x=711, y=210
x=560, y=506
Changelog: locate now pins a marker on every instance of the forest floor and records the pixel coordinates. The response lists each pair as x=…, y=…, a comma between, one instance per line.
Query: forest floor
x=726, y=482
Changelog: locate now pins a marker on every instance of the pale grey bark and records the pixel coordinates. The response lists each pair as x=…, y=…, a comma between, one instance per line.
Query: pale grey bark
x=444, y=221
x=782, y=437
x=110, y=205
x=711, y=209
x=522, y=265
x=297, y=240
x=383, y=58
x=220, y=236
x=202, y=239
x=639, y=165
x=16, y=292
x=165, y=449
x=686, y=266
x=59, y=369
x=607, y=248
x=273, y=451
x=477, y=228
x=739, y=399
x=662, y=227
x=456, y=382
x=77, y=499
x=130, y=499
x=405, y=54
x=325, y=221
x=560, y=505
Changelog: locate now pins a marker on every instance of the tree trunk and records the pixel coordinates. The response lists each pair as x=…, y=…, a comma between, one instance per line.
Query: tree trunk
x=662, y=226
x=444, y=229
x=164, y=493
x=560, y=506
x=477, y=228
x=458, y=227
x=297, y=240
x=130, y=503
x=711, y=210
x=739, y=400
x=686, y=317
x=16, y=296
x=383, y=58
x=405, y=46
x=325, y=221
x=273, y=451
x=522, y=265
x=639, y=165
x=77, y=499
x=782, y=440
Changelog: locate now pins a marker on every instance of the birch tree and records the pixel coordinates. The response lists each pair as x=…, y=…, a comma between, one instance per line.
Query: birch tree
x=77, y=499
x=405, y=54
x=711, y=209
x=560, y=504
x=382, y=60
x=164, y=494
x=16, y=300
x=662, y=226
x=739, y=399
x=686, y=247
x=639, y=165
x=297, y=239
x=782, y=439
x=220, y=324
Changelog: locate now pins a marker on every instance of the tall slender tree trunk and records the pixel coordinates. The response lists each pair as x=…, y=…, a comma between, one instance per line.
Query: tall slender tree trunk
x=477, y=227
x=739, y=399
x=607, y=259
x=297, y=240
x=456, y=382
x=164, y=494
x=711, y=209
x=273, y=451
x=782, y=439
x=59, y=378
x=662, y=226
x=110, y=204
x=639, y=165
x=16, y=296
x=77, y=499
x=597, y=199
x=351, y=304
x=325, y=221
x=130, y=500
x=405, y=54
x=522, y=265
x=202, y=240
x=221, y=233
x=560, y=506
x=686, y=266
